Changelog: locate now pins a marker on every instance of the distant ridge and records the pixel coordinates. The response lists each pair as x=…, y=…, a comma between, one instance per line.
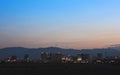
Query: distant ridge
x=34, y=53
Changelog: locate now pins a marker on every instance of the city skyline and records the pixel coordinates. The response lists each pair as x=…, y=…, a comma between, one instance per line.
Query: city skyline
x=74, y=24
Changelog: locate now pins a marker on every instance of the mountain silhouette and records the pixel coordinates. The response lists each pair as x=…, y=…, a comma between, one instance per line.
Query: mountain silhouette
x=35, y=53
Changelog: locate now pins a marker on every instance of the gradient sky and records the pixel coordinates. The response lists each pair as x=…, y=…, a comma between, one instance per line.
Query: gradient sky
x=64, y=23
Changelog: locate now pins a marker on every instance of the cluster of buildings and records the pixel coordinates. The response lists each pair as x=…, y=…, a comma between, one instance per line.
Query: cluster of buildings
x=79, y=58
x=61, y=58
x=58, y=57
x=15, y=59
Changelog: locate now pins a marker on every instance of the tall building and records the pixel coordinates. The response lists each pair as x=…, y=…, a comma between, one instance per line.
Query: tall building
x=26, y=58
x=79, y=58
x=13, y=58
x=55, y=57
x=85, y=58
x=44, y=56
x=99, y=56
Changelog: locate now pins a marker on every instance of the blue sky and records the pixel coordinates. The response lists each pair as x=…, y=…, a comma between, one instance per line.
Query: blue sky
x=67, y=23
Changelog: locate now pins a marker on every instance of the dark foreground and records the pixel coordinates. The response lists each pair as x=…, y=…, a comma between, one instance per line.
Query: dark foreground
x=59, y=69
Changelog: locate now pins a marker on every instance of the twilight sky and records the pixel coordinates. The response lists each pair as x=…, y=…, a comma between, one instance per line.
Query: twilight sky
x=63, y=23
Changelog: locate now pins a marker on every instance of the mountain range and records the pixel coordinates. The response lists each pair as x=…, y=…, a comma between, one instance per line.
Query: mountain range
x=35, y=53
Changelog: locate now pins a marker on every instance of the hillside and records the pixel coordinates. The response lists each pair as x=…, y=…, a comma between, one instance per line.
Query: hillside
x=34, y=53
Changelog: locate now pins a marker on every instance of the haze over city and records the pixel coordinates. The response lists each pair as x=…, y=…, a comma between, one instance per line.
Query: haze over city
x=74, y=24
